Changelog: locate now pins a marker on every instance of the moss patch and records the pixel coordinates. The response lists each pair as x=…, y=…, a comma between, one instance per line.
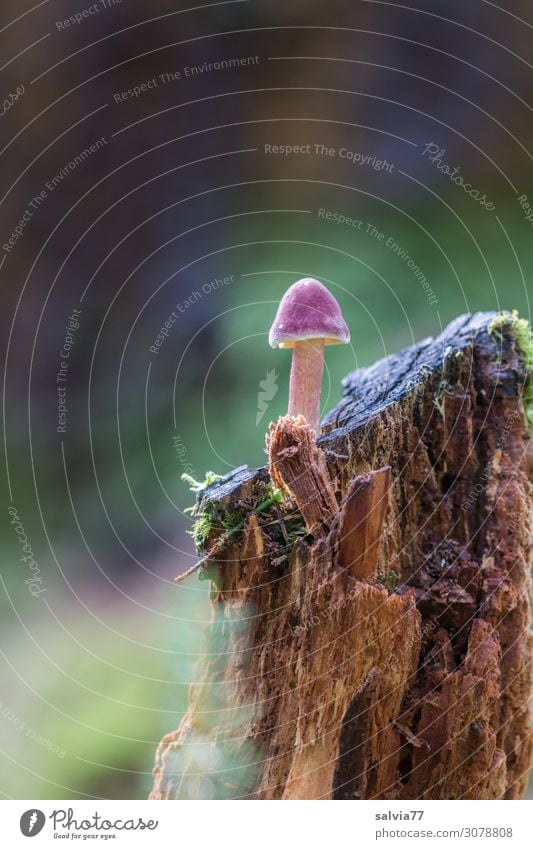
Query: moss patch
x=213, y=523
x=391, y=579
x=521, y=330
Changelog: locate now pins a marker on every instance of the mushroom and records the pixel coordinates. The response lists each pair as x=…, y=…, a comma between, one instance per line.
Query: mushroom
x=308, y=318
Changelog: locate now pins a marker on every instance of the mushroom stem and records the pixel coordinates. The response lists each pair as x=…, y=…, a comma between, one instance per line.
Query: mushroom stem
x=306, y=380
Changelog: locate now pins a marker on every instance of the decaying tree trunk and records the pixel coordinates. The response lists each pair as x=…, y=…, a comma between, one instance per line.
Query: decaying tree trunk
x=381, y=651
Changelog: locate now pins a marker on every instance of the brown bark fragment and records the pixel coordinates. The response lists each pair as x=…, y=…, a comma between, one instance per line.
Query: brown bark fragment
x=361, y=523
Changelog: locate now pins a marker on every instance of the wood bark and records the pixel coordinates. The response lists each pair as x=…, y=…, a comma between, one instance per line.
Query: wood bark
x=387, y=655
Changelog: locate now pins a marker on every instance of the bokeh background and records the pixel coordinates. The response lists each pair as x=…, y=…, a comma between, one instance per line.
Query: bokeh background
x=183, y=208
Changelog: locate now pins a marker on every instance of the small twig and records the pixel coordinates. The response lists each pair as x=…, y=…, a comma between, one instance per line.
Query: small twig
x=329, y=453
x=194, y=568
x=277, y=561
x=216, y=549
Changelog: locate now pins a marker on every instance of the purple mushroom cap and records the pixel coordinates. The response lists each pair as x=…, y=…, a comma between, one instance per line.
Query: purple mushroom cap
x=308, y=311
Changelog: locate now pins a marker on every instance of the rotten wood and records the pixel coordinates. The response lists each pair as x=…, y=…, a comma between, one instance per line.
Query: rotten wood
x=319, y=681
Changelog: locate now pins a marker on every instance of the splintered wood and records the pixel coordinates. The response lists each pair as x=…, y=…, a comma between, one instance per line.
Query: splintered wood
x=324, y=680
x=298, y=465
x=361, y=522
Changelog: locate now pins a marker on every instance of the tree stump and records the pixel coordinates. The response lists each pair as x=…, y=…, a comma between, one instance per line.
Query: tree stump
x=384, y=652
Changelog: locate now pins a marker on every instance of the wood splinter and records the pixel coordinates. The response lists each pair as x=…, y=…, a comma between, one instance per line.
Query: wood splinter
x=297, y=464
x=361, y=523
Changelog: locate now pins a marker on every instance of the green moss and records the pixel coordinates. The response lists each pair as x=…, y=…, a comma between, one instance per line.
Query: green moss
x=445, y=389
x=211, y=518
x=205, y=519
x=295, y=527
x=271, y=497
x=233, y=521
x=391, y=579
x=201, y=530
x=200, y=486
x=521, y=329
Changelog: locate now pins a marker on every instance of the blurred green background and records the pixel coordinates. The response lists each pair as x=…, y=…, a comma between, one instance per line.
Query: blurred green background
x=181, y=197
